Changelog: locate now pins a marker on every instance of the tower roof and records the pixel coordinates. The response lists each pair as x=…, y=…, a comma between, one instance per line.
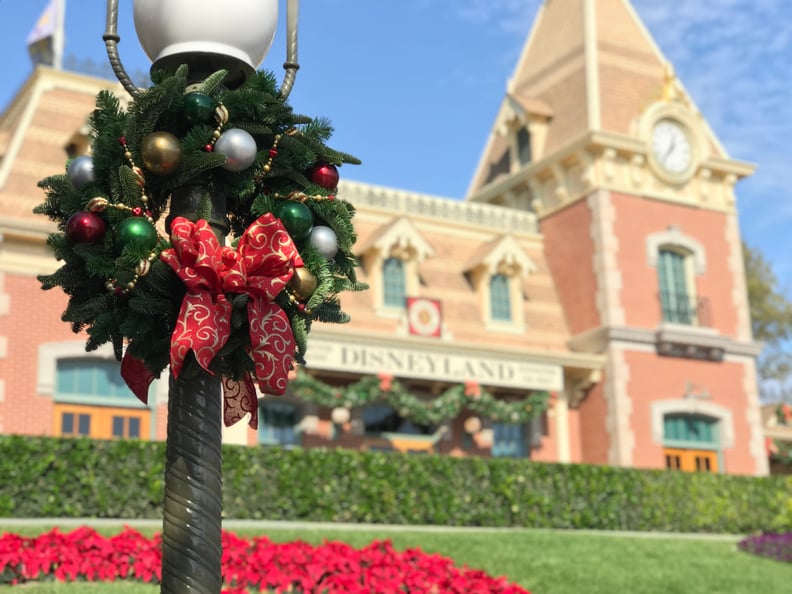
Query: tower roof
x=593, y=66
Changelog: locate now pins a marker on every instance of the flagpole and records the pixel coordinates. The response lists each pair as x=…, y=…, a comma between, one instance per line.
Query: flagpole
x=59, y=34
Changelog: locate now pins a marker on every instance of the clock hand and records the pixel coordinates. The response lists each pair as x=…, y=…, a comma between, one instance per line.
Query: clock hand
x=670, y=150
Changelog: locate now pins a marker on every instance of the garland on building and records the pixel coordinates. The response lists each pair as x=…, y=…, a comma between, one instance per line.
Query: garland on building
x=245, y=310
x=446, y=406
x=777, y=449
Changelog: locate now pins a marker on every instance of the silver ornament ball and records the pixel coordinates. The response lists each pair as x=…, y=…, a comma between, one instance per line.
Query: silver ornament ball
x=81, y=171
x=238, y=147
x=325, y=241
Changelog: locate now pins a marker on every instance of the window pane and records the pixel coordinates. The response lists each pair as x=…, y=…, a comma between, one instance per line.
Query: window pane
x=67, y=424
x=85, y=381
x=675, y=295
x=91, y=378
x=134, y=428
x=84, y=425
x=382, y=418
x=104, y=385
x=393, y=283
x=277, y=423
x=500, y=300
x=67, y=378
x=509, y=440
x=118, y=427
x=524, y=146
x=692, y=428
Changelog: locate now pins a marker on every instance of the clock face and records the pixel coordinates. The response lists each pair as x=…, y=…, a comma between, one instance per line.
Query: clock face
x=671, y=147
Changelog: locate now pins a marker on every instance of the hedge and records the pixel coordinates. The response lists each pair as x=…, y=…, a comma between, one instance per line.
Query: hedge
x=45, y=477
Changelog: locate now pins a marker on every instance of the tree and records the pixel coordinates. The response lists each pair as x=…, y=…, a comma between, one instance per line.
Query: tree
x=771, y=323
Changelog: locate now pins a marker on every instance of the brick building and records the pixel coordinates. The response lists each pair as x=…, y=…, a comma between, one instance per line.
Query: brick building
x=597, y=257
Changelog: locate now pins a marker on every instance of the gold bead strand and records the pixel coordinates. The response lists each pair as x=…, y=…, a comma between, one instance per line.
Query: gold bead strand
x=221, y=117
x=139, y=177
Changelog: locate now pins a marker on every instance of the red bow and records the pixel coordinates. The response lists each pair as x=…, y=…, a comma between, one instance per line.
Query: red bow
x=260, y=268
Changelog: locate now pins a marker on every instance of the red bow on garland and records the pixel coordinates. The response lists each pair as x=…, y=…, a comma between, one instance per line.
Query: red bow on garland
x=260, y=267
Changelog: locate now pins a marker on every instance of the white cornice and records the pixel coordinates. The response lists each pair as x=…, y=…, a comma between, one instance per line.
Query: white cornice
x=598, y=339
x=503, y=219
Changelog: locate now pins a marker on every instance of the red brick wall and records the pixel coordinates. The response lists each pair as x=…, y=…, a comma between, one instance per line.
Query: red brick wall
x=594, y=440
x=655, y=378
x=569, y=251
x=33, y=319
x=636, y=219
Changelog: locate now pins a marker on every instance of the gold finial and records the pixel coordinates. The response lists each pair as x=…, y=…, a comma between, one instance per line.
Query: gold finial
x=669, y=92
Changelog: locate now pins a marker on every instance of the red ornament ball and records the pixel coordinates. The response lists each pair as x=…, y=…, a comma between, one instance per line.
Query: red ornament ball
x=85, y=227
x=325, y=175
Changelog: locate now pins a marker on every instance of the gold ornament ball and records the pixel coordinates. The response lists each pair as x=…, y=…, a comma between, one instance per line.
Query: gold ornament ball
x=161, y=153
x=303, y=283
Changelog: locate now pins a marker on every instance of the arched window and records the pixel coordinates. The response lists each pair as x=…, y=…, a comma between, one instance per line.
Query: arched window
x=500, y=298
x=394, y=283
x=278, y=423
x=676, y=293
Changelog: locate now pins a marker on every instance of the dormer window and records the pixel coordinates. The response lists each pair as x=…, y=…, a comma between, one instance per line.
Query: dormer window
x=522, y=139
x=393, y=255
x=497, y=274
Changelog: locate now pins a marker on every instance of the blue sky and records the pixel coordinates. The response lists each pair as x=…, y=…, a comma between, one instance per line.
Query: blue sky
x=412, y=87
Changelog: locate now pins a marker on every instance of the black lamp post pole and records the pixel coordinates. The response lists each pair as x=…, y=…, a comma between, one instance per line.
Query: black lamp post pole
x=192, y=521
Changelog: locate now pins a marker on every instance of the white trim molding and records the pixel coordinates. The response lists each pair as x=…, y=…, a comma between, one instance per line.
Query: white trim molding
x=619, y=404
x=692, y=406
x=674, y=237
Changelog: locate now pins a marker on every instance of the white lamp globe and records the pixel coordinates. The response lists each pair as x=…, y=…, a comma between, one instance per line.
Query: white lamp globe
x=207, y=35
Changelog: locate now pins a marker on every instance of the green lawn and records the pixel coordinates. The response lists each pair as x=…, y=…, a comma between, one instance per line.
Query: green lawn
x=548, y=562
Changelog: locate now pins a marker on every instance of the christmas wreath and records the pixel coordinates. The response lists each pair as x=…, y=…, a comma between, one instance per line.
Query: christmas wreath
x=242, y=311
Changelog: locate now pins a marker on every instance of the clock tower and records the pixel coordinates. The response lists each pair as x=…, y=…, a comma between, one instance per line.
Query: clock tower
x=636, y=201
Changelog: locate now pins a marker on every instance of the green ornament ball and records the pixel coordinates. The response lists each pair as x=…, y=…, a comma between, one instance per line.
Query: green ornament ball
x=296, y=217
x=137, y=232
x=198, y=108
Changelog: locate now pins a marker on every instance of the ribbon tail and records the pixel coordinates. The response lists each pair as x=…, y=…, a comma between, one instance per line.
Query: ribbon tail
x=203, y=326
x=272, y=345
x=137, y=376
x=239, y=399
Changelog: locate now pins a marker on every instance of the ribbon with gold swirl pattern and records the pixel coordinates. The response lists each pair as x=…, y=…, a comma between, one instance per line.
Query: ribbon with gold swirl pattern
x=260, y=267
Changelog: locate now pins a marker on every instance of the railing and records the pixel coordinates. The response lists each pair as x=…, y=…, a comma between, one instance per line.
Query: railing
x=682, y=308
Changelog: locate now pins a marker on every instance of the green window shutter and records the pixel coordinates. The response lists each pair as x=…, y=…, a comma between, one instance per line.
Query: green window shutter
x=675, y=295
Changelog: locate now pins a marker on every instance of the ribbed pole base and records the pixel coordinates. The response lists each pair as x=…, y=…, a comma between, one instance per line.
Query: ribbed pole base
x=192, y=524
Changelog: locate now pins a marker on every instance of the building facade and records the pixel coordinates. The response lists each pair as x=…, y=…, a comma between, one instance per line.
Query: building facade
x=597, y=258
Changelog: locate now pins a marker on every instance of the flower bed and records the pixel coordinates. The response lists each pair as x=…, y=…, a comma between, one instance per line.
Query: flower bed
x=249, y=565
x=775, y=546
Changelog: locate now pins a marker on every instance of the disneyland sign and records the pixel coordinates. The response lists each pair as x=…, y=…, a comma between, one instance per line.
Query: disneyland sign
x=435, y=366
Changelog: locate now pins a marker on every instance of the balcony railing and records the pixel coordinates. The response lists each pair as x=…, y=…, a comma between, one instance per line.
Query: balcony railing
x=681, y=308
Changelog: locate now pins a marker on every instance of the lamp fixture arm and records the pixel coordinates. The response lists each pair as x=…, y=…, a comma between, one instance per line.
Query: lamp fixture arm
x=111, y=39
x=291, y=65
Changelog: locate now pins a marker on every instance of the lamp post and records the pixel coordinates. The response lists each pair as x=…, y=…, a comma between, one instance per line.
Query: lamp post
x=207, y=37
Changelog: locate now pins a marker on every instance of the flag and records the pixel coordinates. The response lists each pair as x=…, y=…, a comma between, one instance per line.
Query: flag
x=45, y=40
